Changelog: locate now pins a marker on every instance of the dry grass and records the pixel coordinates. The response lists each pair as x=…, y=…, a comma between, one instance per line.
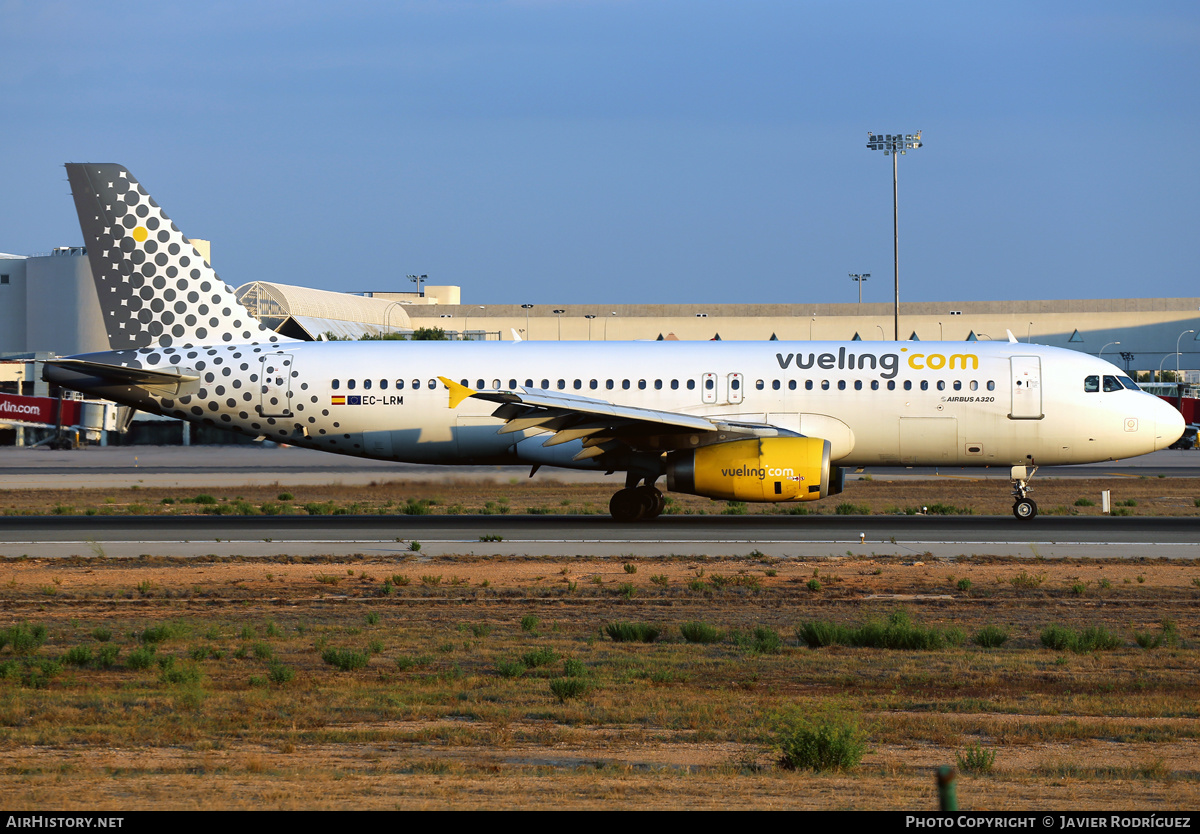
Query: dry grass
x=1150, y=496
x=431, y=721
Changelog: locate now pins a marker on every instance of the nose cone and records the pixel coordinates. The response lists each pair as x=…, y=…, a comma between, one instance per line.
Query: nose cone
x=1169, y=424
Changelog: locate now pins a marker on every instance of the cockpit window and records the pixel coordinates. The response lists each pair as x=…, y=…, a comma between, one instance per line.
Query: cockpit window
x=1091, y=384
x=1111, y=384
x=1129, y=383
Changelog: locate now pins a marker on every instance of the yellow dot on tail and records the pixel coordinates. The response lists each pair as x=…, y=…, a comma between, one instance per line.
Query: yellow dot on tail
x=140, y=234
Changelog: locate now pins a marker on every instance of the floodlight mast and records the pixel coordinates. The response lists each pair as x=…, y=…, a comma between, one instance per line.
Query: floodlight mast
x=895, y=144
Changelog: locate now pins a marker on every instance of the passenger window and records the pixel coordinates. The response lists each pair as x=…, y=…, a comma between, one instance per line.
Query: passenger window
x=432, y=384
x=708, y=384
x=578, y=384
x=858, y=385
x=400, y=384
x=841, y=385
x=495, y=385
x=350, y=384
x=775, y=385
x=674, y=385
x=641, y=385
x=658, y=385
x=974, y=385
x=625, y=384
x=891, y=385
x=529, y=383
x=417, y=384
x=1111, y=384
x=808, y=386
x=478, y=384
x=736, y=383
x=941, y=385
x=383, y=385
x=545, y=384
x=562, y=384
x=691, y=385
x=908, y=385
x=824, y=385
x=337, y=383
x=791, y=385
x=594, y=384
x=991, y=385
x=957, y=385
x=1091, y=384
x=512, y=383
x=758, y=384
x=609, y=384
x=366, y=385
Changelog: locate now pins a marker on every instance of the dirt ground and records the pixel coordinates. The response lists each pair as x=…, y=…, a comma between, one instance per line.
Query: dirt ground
x=433, y=720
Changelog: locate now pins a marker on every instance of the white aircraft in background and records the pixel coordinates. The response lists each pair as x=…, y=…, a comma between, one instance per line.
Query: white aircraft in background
x=744, y=421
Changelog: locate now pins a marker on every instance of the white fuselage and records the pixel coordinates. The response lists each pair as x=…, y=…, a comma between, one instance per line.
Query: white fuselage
x=878, y=403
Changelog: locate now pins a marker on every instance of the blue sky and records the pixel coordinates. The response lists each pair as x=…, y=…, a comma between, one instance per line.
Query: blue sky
x=607, y=152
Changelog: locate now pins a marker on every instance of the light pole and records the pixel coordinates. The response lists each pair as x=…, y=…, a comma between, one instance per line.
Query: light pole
x=1029, y=333
x=467, y=318
x=418, y=280
x=559, y=313
x=613, y=313
x=1100, y=355
x=859, y=278
x=882, y=335
x=895, y=144
x=1160, y=364
x=589, y=317
x=526, y=308
x=1177, y=355
x=387, y=316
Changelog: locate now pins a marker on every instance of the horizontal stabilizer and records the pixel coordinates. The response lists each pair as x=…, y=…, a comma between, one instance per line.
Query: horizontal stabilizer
x=61, y=370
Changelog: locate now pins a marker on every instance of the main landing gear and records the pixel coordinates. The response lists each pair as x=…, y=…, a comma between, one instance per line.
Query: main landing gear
x=637, y=503
x=1024, y=507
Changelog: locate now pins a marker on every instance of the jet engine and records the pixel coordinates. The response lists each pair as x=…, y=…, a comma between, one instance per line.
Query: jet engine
x=761, y=469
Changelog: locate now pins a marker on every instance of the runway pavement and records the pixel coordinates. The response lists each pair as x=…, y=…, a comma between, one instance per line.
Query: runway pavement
x=568, y=536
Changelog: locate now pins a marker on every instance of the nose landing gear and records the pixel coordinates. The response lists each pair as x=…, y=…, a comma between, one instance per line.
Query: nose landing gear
x=1024, y=507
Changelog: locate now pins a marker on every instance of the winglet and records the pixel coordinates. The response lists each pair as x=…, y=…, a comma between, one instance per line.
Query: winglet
x=458, y=393
x=1011, y=338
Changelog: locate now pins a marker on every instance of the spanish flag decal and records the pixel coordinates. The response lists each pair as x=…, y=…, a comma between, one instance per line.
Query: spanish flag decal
x=339, y=401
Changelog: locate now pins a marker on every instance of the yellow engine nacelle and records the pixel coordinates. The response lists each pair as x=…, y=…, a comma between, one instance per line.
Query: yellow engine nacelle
x=762, y=469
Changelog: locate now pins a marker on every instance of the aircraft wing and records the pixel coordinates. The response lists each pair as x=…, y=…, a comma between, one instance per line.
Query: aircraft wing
x=603, y=426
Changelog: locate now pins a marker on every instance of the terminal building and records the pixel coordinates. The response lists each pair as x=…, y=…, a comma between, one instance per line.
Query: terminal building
x=49, y=307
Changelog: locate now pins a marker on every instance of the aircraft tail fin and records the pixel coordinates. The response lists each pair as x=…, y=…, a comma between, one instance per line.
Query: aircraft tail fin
x=155, y=289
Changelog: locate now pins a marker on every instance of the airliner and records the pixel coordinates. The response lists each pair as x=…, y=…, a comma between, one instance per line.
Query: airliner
x=735, y=421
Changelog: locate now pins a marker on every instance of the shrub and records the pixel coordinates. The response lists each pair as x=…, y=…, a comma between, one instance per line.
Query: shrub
x=78, y=656
x=573, y=668
x=510, y=669
x=1027, y=581
x=630, y=567
x=279, y=673
x=102, y=634
x=347, y=660
x=529, y=623
x=814, y=585
x=23, y=638
x=564, y=688
x=764, y=640
x=697, y=632
x=976, y=759
x=140, y=658
x=817, y=635
x=1168, y=635
x=632, y=632
x=1095, y=638
x=990, y=637
x=964, y=585
x=106, y=655
x=828, y=745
